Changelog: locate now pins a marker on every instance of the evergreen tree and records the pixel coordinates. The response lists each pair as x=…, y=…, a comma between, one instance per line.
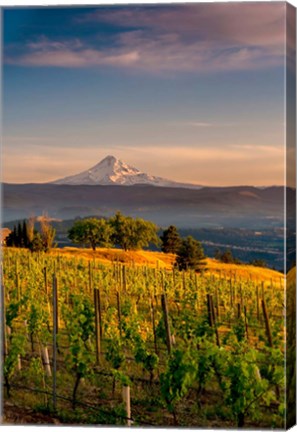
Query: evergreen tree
x=19, y=239
x=11, y=239
x=25, y=234
x=190, y=255
x=171, y=241
x=227, y=257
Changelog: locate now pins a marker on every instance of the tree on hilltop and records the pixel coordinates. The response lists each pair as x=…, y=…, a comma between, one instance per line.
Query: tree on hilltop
x=132, y=234
x=190, y=255
x=47, y=233
x=92, y=231
x=171, y=240
x=26, y=236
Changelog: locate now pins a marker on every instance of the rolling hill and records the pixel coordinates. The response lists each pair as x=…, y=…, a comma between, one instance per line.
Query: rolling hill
x=242, y=206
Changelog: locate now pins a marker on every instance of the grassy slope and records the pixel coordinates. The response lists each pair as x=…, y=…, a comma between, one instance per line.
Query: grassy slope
x=106, y=256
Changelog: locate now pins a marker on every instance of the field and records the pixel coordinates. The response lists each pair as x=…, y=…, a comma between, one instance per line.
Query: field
x=118, y=338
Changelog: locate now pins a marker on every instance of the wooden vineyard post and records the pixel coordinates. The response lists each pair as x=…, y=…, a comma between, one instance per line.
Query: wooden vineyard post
x=235, y=294
x=212, y=308
x=231, y=294
x=17, y=281
x=90, y=277
x=166, y=320
x=46, y=362
x=267, y=324
x=173, y=278
x=45, y=280
x=127, y=401
x=59, y=262
x=119, y=312
x=245, y=323
x=214, y=321
x=19, y=364
x=269, y=337
x=210, y=316
x=258, y=309
x=120, y=277
x=238, y=310
x=124, y=276
x=198, y=294
x=262, y=286
x=3, y=309
x=162, y=282
x=154, y=325
x=100, y=314
x=55, y=331
x=241, y=295
x=97, y=331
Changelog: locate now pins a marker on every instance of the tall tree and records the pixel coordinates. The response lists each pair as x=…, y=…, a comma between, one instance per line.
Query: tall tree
x=25, y=234
x=11, y=240
x=122, y=229
x=92, y=232
x=19, y=240
x=190, y=255
x=47, y=233
x=30, y=229
x=171, y=240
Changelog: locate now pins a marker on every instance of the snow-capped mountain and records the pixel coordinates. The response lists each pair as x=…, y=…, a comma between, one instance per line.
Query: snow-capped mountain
x=112, y=171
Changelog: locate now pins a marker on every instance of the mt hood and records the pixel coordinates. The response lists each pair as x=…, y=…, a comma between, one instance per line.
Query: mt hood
x=112, y=171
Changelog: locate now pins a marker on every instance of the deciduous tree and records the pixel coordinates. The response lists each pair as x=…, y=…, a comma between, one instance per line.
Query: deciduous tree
x=93, y=232
x=133, y=234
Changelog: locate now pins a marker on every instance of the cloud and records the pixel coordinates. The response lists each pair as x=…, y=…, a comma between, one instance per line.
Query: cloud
x=71, y=54
x=245, y=152
x=260, y=149
x=203, y=124
x=252, y=23
x=199, y=124
x=160, y=39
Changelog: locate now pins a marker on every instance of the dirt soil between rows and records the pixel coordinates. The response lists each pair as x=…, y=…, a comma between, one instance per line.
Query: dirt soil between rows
x=13, y=414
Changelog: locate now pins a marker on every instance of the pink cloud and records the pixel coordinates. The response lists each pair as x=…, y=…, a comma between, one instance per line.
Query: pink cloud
x=70, y=54
x=184, y=38
x=246, y=23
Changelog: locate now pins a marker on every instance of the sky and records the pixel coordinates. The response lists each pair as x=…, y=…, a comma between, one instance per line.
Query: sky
x=191, y=92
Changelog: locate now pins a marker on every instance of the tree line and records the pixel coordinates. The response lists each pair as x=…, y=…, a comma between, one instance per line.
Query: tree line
x=120, y=231
x=135, y=233
x=25, y=235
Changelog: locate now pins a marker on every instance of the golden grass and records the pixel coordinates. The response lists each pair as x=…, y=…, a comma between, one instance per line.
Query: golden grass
x=106, y=256
x=244, y=271
x=162, y=260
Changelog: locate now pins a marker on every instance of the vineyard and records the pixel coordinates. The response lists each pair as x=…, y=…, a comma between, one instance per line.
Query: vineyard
x=142, y=344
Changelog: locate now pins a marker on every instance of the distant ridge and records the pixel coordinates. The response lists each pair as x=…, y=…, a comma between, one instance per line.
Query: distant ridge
x=113, y=171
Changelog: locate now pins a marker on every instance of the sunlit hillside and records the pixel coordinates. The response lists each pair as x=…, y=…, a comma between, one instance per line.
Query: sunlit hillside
x=162, y=260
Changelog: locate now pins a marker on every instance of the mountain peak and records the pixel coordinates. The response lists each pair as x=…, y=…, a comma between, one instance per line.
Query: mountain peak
x=109, y=159
x=113, y=171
